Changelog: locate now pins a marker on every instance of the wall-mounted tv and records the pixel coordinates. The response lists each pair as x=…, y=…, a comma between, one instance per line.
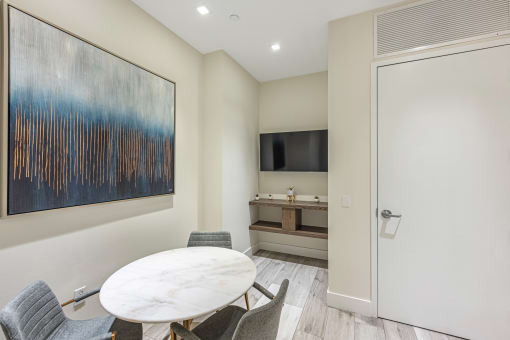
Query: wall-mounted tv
x=305, y=151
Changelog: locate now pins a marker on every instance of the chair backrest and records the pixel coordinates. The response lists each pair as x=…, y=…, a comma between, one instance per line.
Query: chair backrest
x=32, y=315
x=262, y=322
x=210, y=239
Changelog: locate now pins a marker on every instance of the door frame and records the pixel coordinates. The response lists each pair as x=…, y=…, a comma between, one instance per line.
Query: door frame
x=375, y=65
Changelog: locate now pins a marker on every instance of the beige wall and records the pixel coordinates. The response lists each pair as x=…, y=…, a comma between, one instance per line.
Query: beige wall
x=230, y=156
x=294, y=104
x=350, y=54
x=79, y=246
x=350, y=57
x=240, y=152
x=210, y=214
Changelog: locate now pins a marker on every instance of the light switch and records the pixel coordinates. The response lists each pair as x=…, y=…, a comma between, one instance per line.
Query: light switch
x=346, y=201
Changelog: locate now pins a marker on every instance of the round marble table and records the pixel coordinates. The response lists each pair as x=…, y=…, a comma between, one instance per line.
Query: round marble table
x=179, y=284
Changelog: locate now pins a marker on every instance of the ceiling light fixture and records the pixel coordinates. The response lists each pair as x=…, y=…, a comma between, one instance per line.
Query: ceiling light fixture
x=234, y=17
x=275, y=47
x=202, y=10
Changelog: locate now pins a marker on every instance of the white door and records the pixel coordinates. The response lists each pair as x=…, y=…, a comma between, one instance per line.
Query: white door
x=444, y=165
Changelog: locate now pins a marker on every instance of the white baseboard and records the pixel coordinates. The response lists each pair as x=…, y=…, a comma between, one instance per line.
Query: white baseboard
x=352, y=304
x=294, y=250
x=252, y=250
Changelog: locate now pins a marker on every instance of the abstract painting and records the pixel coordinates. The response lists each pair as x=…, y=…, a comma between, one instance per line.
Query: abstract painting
x=85, y=126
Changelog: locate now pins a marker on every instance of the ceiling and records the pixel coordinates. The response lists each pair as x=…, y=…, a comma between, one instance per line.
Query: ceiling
x=299, y=26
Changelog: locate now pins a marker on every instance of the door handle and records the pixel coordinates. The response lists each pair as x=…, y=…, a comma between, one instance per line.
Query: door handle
x=388, y=214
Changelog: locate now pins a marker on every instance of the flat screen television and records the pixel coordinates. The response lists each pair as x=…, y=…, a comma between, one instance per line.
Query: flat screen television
x=294, y=151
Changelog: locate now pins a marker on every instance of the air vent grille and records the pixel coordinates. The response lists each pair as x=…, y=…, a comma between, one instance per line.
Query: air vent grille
x=439, y=22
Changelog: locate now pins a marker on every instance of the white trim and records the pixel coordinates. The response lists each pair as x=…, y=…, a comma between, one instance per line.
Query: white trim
x=251, y=250
x=373, y=188
x=294, y=250
x=351, y=304
x=443, y=52
x=373, y=144
x=426, y=47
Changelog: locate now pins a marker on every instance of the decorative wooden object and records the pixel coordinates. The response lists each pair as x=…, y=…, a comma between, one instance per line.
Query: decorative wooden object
x=291, y=195
x=291, y=218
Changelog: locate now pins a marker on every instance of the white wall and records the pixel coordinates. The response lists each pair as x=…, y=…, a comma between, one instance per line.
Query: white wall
x=229, y=172
x=79, y=246
x=349, y=104
x=294, y=104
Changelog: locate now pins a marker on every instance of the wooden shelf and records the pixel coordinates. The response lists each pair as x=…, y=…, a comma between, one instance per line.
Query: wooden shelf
x=286, y=204
x=291, y=218
x=303, y=230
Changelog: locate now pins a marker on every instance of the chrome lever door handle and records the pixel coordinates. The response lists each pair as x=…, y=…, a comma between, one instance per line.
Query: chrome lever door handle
x=388, y=214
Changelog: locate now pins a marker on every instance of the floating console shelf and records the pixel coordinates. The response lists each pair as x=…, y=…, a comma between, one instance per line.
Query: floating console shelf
x=275, y=227
x=291, y=218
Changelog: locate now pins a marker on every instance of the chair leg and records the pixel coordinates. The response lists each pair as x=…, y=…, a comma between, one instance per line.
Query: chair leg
x=187, y=324
x=246, y=300
x=172, y=334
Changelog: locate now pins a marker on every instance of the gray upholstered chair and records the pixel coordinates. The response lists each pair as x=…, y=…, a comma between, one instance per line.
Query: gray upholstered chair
x=210, y=239
x=220, y=239
x=236, y=323
x=35, y=314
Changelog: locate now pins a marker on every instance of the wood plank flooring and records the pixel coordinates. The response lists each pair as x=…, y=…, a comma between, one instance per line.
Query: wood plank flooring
x=306, y=315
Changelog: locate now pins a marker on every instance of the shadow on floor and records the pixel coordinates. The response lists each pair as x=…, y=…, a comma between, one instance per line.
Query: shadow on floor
x=308, y=261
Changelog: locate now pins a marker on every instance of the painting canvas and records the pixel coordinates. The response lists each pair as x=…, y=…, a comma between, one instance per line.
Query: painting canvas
x=85, y=126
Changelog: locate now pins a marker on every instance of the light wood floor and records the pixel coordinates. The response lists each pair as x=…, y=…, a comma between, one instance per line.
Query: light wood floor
x=305, y=315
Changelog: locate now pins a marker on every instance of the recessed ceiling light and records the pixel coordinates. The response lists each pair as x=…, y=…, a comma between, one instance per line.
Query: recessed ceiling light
x=234, y=17
x=275, y=47
x=202, y=10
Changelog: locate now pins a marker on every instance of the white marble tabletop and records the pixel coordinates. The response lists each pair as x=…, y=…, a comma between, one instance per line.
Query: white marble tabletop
x=179, y=284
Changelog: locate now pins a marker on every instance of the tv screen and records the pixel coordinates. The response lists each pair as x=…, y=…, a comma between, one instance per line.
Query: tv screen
x=294, y=151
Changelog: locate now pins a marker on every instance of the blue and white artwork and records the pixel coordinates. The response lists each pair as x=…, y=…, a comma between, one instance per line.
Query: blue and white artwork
x=85, y=126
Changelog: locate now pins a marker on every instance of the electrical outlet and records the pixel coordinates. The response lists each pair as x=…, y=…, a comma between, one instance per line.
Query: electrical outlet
x=346, y=201
x=79, y=293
